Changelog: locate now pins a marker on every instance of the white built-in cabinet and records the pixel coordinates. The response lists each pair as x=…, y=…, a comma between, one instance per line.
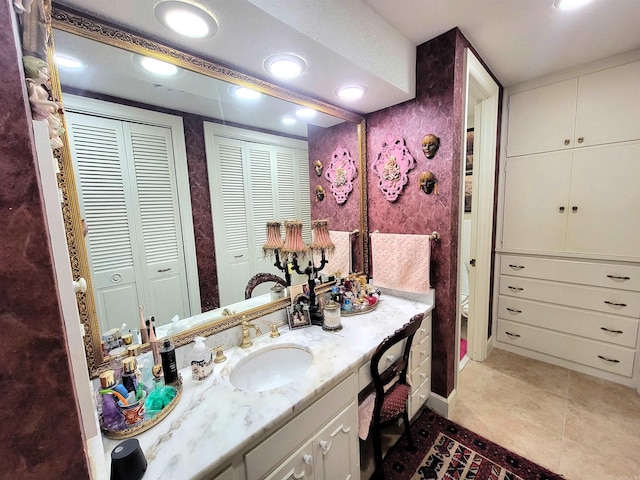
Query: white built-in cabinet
x=568, y=281
x=125, y=172
x=592, y=109
x=254, y=178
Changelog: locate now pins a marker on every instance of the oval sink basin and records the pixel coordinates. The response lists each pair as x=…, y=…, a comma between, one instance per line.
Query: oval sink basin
x=270, y=368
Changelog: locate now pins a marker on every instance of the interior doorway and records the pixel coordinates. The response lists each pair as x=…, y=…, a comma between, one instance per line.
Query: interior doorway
x=478, y=163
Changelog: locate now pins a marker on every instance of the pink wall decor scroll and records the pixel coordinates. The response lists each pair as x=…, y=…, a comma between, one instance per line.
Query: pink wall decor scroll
x=392, y=166
x=341, y=173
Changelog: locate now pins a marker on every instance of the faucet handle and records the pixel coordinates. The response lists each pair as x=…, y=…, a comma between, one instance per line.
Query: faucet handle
x=220, y=357
x=274, y=329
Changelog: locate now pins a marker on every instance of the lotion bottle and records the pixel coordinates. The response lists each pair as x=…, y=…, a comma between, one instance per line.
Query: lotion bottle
x=169, y=364
x=201, y=360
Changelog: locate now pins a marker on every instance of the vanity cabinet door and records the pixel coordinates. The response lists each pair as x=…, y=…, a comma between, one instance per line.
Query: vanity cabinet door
x=297, y=466
x=335, y=448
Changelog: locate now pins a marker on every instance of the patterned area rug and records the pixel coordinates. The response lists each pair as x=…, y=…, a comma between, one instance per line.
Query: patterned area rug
x=447, y=451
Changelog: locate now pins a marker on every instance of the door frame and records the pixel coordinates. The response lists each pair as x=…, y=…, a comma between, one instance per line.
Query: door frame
x=478, y=84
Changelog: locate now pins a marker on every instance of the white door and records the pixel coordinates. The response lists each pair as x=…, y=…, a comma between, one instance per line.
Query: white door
x=536, y=202
x=128, y=197
x=604, y=209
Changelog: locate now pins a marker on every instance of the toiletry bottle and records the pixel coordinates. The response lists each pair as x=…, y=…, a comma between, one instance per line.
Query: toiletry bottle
x=129, y=378
x=112, y=417
x=144, y=335
x=169, y=365
x=153, y=343
x=201, y=360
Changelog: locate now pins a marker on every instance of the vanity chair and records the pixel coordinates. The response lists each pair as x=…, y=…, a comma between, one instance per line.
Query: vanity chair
x=391, y=388
x=259, y=278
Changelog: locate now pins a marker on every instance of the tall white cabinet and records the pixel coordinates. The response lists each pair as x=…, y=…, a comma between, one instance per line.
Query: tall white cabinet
x=568, y=251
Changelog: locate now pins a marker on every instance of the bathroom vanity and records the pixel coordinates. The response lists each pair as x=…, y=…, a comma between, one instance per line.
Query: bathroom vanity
x=308, y=425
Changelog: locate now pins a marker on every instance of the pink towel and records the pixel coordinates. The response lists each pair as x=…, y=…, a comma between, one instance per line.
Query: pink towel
x=401, y=262
x=340, y=259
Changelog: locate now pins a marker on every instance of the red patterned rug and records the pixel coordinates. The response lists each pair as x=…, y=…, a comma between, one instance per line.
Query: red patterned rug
x=447, y=451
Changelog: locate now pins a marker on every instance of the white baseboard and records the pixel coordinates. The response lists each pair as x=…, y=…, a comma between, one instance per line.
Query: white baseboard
x=443, y=406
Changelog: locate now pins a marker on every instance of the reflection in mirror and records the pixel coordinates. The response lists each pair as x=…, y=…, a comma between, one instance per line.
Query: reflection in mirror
x=156, y=241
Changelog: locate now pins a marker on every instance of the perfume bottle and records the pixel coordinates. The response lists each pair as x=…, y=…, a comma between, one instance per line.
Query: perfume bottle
x=112, y=417
x=129, y=378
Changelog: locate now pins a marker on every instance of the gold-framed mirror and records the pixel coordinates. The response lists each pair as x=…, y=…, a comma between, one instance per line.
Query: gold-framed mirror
x=66, y=22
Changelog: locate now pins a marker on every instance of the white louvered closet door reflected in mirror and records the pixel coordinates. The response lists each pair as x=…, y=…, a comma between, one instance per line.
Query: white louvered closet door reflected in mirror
x=126, y=178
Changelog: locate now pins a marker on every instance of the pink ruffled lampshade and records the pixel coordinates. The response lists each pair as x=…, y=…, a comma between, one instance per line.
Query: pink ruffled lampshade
x=321, y=239
x=274, y=241
x=293, y=241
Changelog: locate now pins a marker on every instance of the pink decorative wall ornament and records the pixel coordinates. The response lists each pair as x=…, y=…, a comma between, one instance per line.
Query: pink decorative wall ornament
x=341, y=172
x=392, y=166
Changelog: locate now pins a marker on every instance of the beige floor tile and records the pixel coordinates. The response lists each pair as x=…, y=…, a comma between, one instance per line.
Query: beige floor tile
x=529, y=403
x=579, y=462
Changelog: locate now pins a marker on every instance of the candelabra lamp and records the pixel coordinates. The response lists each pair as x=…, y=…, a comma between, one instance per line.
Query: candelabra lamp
x=293, y=250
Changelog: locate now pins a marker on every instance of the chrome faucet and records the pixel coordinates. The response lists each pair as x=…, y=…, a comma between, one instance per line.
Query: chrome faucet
x=246, y=341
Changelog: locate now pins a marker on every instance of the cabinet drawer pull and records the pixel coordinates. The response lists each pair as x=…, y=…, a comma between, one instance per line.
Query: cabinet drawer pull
x=308, y=459
x=513, y=310
x=616, y=277
x=515, y=289
x=610, y=331
x=610, y=360
x=162, y=270
x=512, y=335
x=614, y=304
x=238, y=256
x=516, y=267
x=580, y=139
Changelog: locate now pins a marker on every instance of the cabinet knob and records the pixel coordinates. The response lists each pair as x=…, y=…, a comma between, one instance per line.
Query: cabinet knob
x=574, y=208
x=308, y=459
x=390, y=358
x=567, y=141
x=561, y=209
x=324, y=446
x=580, y=139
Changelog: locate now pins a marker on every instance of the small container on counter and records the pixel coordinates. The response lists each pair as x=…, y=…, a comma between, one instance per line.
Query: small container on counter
x=112, y=417
x=201, y=360
x=332, y=317
x=129, y=377
x=277, y=292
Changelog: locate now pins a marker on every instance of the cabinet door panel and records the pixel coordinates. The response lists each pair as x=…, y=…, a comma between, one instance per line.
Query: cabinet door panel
x=606, y=196
x=536, y=188
x=298, y=466
x=540, y=120
x=608, y=108
x=335, y=448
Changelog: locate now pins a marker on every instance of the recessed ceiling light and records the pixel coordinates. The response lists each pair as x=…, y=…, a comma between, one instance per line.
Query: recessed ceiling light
x=287, y=120
x=285, y=65
x=351, y=92
x=245, y=93
x=186, y=19
x=67, y=62
x=306, y=112
x=569, y=4
x=158, y=67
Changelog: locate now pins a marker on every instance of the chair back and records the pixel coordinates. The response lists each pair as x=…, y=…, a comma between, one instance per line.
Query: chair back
x=399, y=367
x=259, y=278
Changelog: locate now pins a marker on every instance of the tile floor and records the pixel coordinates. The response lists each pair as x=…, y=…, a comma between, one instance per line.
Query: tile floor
x=574, y=424
x=579, y=426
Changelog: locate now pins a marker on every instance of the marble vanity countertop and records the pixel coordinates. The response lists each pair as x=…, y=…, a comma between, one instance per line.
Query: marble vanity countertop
x=214, y=421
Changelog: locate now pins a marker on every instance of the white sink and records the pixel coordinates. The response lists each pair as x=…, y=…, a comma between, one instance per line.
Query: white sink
x=270, y=368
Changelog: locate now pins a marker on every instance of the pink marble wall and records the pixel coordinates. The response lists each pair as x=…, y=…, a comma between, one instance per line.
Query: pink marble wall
x=41, y=435
x=437, y=108
x=344, y=217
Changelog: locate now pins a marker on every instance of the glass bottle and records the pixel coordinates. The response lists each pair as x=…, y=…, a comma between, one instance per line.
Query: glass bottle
x=112, y=417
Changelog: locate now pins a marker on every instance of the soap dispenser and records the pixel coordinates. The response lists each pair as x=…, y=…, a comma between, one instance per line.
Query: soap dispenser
x=201, y=360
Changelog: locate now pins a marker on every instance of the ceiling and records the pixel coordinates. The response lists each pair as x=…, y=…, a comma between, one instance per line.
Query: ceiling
x=373, y=42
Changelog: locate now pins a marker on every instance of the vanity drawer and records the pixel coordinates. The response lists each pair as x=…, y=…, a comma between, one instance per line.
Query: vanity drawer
x=420, y=354
x=598, y=326
x=418, y=398
x=282, y=443
x=364, y=372
x=623, y=277
x=425, y=329
x=603, y=356
x=616, y=302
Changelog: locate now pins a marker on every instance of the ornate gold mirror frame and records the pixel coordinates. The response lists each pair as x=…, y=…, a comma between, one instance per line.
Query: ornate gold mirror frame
x=72, y=22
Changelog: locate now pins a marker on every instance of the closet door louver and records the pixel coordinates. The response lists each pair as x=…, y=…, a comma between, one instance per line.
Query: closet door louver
x=227, y=181
x=106, y=205
x=304, y=189
x=156, y=212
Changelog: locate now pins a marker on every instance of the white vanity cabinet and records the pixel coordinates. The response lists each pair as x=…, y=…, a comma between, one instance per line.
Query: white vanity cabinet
x=323, y=439
x=583, y=312
x=593, y=109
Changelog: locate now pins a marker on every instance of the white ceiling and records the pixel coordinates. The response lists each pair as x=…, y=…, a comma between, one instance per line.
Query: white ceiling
x=373, y=41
